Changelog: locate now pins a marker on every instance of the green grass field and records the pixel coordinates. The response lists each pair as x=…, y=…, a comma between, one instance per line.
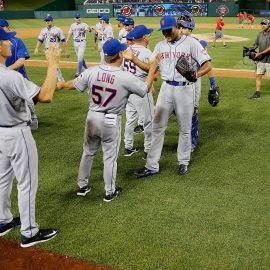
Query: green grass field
x=215, y=217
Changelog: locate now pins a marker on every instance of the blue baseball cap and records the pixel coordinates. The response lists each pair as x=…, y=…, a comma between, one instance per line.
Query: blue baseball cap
x=128, y=21
x=48, y=18
x=77, y=15
x=99, y=15
x=130, y=35
x=167, y=22
x=105, y=19
x=203, y=43
x=121, y=18
x=113, y=47
x=6, y=35
x=140, y=31
x=3, y=23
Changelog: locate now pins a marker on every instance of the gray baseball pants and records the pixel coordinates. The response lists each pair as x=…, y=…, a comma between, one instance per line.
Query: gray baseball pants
x=19, y=158
x=179, y=99
x=107, y=133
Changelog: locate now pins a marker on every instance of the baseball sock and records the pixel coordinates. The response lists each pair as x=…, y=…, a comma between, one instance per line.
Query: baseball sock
x=212, y=82
x=80, y=65
x=84, y=64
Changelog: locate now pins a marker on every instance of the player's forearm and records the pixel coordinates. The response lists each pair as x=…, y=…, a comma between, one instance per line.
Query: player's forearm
x=68, y=37
x=67, y=85
x=17, y=64
x=38, y=44
x=150, y=77
x=140, y=64
x=47, y=89
x=205, y=68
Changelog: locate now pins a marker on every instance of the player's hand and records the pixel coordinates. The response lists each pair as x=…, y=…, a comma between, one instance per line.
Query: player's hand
x=128, y=54
x=152, y=90
x=36, y=51
x=53, y=55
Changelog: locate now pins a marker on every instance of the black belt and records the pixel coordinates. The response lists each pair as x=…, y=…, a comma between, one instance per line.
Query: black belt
x=77, y=40
x=174, y=83
x=24, y=124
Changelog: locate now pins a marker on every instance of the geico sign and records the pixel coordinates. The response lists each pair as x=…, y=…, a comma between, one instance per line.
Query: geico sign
x=98, y=10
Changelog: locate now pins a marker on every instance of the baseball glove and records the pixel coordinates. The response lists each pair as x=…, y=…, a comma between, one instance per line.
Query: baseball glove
x=213, y=96
x=185, y=69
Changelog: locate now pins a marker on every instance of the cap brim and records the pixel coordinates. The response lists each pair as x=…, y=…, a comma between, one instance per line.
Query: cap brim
x=149, y=31
x=123, y=46
x=166, y=28
x=9, y=35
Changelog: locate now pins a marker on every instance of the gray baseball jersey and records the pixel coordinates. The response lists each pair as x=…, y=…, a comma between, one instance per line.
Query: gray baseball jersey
x=122, y=35
x=142, y=108
x=78, y=31
x=176, y=95
x=107, y=33
x=51, y=35
x=18, y=152
x=108, y=88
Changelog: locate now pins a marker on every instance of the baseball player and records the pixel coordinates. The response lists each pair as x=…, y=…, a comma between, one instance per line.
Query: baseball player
x=123, y=32
x=108, y=87
x=78, y=31
x=251, y=20
x=240, y=15
x=16, y=62
x=176, y=94
x=137, y=106
x=98, y=37
x=218, y=32
x=186, y=25
x=18, y=152
x=106, y=33
x=52, y=35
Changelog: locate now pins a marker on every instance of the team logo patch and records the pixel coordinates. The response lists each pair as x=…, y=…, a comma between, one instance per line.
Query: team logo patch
x=126, y=10
x=196, y=9
x=162, y=22
x=222, y=10
x=160, y=10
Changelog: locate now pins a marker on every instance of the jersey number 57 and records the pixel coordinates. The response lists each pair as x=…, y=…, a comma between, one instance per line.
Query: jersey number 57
x=99, y=99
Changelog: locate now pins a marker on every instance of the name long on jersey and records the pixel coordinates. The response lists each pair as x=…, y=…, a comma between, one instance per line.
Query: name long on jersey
x=143, y=54
x=51, y=35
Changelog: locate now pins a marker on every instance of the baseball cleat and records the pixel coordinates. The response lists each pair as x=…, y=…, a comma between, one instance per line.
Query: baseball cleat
x=183, y=169
x=146, y=172
x=76, y=75
x=43, y=235
x=110, y=197
x=5, y=228
x=256, y=95
x=83, y=191
x=138, y=129
x=130, y=152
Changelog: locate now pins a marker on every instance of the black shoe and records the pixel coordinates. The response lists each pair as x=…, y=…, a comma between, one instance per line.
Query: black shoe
x=225, y=46
x=117, y=192
x=139, y=129
x=130, y=152
x=146, y=172
x=43, y=235
x=144, y=156
x=83, y=191
x=183, y=169
x=76, y=75
x=5, y=228
x=256, y=95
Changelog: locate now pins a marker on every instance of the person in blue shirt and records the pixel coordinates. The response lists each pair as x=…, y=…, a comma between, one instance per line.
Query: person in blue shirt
x=16, y=62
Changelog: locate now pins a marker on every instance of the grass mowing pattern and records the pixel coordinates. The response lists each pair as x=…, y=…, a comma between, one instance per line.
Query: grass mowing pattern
x=215, y=217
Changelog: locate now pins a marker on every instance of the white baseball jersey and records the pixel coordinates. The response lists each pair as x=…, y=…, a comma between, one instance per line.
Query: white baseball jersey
x=51, y=35
x=78, y=31
x=109, y=88
x=15, y=94
x=122, y=35
x=107, y=33
x=170, y=52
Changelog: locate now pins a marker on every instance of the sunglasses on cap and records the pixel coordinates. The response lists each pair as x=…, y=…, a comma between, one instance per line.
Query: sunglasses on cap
x=184, y=18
